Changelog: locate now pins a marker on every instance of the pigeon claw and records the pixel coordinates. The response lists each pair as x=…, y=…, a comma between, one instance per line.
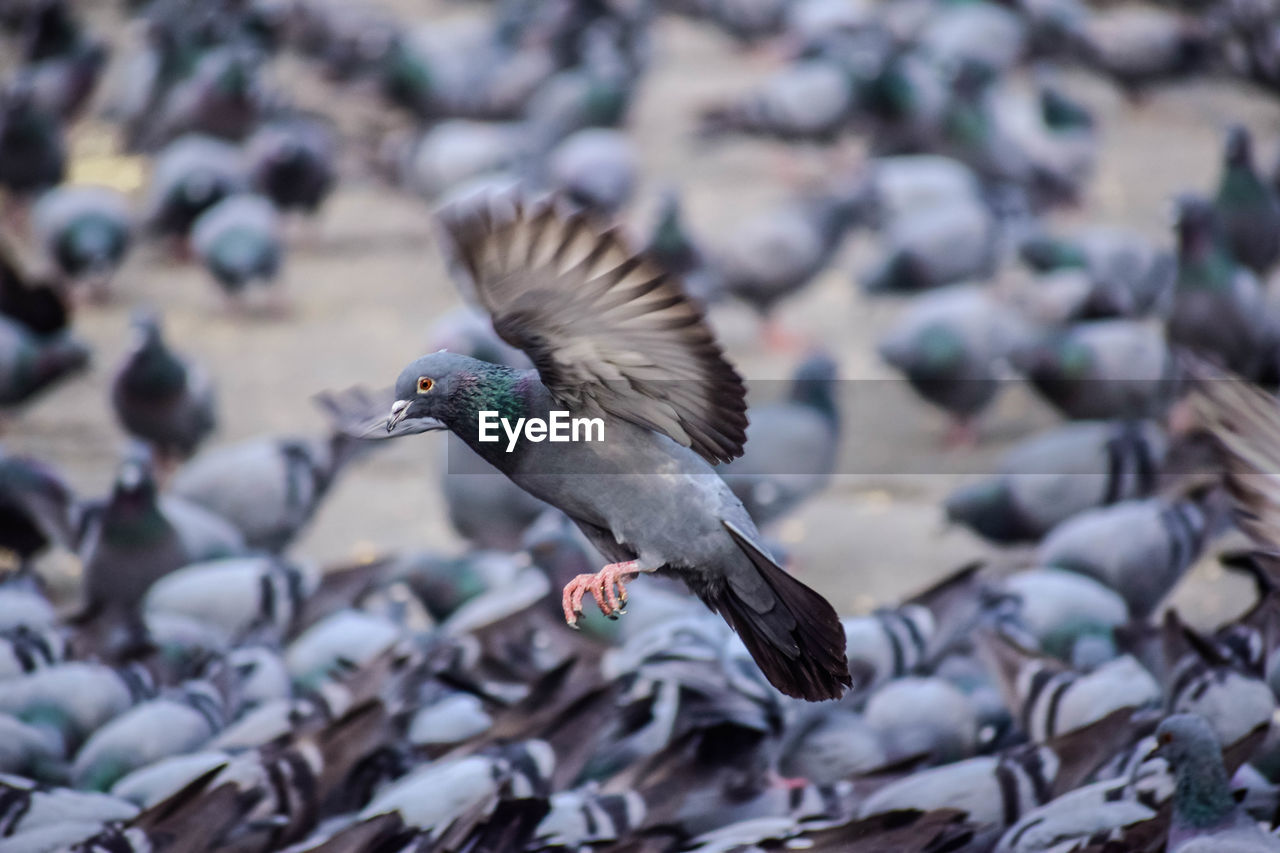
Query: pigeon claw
x=607, y=586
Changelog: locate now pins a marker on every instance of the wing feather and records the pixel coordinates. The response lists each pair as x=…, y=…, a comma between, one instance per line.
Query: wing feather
x=606, y=327
x=1244, y=420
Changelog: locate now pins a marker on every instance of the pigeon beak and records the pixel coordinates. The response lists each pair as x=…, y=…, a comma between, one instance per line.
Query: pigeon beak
x=399, y=409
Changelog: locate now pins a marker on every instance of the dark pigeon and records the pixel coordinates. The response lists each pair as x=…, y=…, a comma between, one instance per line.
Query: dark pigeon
x=1248, y=208
x=292, y=162
x=587, y=312
x=160, y=398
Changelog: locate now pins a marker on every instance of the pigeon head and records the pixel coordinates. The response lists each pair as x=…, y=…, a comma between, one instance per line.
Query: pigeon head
x=1202, y=796
x=444, y=389
x=814, y=383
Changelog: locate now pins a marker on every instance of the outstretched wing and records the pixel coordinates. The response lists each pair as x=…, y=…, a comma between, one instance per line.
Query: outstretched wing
x=605, y=327
x=1244, y=420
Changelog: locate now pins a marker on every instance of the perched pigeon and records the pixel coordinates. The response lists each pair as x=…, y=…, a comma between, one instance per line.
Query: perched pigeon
x=239, y=242
x=1248, y=209
x=292, y=162
x=161, y=398
x=191, y=174
x=951, y=346
x=675, y=415
x=1138, y=548
x=33, y=155
x=85, y=230
x=778, y=252
x=269, y=488
x=1218, y=308
x=134, y=538
x=1102, y=369
x=1053, y=476
x=791, y=445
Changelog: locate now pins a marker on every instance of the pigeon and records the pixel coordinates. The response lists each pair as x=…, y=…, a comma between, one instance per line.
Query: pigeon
x=41, y=306
x=1058, y=474
x=292, y=162
x=161, y=398
x=950, y=344
x=1205, y=815
x=30, y=364
x=695, y=529
x=1139, y=548
x=85, y=231
x=37, y=508
x=594, y=169
x=1247, y=208
x=134, y=538
x=778, y=252
x=1102, y=369
x=451, y=153
x=1129, y=276
x=1063, y=610
x=923, y=716
x=269, y=488
x=935, y=246
x=223, y=97
x=791, y=445
x=238, y=240
x=63, y=62
x=1139, y=44
x=809, y=101
x=191, y=174
x=33, y=153
x=1218, y=310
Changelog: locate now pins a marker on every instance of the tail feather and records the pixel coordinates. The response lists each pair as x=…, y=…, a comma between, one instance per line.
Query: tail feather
x=792, y=632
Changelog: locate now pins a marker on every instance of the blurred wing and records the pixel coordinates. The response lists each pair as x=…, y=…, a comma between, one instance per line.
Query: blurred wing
x=605, y=327
x=1244, y=420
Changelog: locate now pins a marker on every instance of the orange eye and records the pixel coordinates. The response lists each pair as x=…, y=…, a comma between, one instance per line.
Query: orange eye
x=425, y=384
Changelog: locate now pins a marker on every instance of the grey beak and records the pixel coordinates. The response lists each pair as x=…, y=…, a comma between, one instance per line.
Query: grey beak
x=399, y=409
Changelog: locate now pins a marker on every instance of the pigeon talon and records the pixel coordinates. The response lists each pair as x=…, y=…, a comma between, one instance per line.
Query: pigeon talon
x=607, y=587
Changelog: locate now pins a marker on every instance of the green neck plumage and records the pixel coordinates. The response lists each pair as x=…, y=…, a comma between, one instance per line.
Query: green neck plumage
x=490, y=388
x=1202, y=797
x=1240, y=186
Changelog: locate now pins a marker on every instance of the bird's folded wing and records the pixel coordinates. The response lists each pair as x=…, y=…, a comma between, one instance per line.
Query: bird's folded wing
x=1244, y=420
x=605, y=327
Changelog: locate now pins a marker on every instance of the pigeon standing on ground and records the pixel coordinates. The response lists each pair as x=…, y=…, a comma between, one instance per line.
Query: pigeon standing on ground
x=85, y=231
x=162, y=399
x=646, y=496
x=293, y=162
x=239, y=242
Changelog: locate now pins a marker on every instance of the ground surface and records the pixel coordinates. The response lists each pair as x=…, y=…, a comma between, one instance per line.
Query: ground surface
x=368, y=285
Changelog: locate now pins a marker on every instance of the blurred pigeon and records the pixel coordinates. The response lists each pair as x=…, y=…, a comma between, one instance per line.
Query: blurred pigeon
x=63, y=62
x=33, y=153
x=1247, y=208
x=292, y=162
x=1138, y=44
x=450, y=153
x=1102, y=369
x=1129, y=276
x=935, y=246
x=791, y=445
x=1063, y=609
x=1205, y=815
x=74, y=699
x=776, y=253
x=239, y=242
x=1218, y=304
x=1138, y=548
x=42, y=307
x=223, y=96
x=191, y=174
x=269, y=488
x=594, y=169
x=30, y=364
x=161, y=398
x=826, y=745
x=37, y=508
x=951, y=345
x=85, y=231
x=923, y=716
x=792, y=633
x=810, y=100
x=1053, y=476
x=134, y=538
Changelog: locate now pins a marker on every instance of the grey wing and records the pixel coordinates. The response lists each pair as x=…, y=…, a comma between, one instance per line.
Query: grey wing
x=606, y=328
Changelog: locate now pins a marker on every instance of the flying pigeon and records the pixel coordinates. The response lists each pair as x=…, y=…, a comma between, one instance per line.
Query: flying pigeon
x=614, y=337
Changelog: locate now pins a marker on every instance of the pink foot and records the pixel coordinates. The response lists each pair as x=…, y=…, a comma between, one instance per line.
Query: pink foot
x=961, y=435
x=779, y=339
x=601, y=585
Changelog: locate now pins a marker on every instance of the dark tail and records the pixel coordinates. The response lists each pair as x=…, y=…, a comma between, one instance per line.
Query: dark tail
x=793, y=634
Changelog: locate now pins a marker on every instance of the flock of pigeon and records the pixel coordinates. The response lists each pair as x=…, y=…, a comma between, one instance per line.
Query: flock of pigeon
x=213, y=692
